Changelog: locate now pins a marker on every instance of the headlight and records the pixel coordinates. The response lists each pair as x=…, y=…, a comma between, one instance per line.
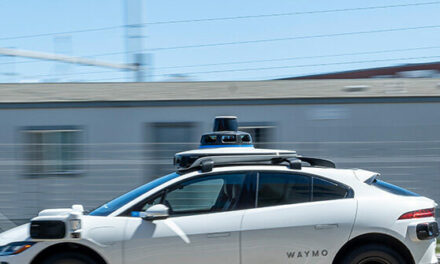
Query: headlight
x=75, y=224
x=15, y=248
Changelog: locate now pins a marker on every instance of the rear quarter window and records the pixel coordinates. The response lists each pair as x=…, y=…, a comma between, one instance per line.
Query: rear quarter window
x=391, y=188
x=324, y=190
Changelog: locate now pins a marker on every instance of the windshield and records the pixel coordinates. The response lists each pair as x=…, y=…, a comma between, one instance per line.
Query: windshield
x=122, y=200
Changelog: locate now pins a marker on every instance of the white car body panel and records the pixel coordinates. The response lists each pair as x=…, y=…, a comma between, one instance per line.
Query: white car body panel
x=193, y=239
x=299, y=232
x=19, y=233
x=106, y=236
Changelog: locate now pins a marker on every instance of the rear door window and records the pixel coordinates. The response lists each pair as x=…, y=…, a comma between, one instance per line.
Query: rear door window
x=276, y=188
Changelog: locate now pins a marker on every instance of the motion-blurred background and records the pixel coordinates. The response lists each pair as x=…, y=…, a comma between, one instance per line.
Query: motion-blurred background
x=97, y=96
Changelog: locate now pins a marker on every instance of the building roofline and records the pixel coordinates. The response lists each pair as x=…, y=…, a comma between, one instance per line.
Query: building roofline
x=370, y=72
x=216, y=93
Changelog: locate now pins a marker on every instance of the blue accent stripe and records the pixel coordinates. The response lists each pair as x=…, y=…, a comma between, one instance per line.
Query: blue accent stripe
x=135, y=214
x=226, y=146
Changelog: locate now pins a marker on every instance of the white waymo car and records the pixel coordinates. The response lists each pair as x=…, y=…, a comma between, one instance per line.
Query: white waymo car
x=231, y=203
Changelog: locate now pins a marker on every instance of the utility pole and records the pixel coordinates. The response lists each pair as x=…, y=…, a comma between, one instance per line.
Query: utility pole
x=134, y=38
x=63, y=46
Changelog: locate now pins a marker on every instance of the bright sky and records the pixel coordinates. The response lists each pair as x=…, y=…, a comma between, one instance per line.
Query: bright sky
x=302, y=49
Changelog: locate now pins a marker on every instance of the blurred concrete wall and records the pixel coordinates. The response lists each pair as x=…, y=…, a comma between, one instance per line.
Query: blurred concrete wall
x=99, y=153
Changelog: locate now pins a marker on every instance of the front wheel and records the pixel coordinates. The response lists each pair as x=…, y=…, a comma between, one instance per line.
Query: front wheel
x=69, y=258
x=374, y=254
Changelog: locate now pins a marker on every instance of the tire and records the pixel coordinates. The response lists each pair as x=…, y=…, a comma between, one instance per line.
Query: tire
x=69, y=258
x=374, y=254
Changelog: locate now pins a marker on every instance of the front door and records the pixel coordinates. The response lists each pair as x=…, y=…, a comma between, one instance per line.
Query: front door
x=203, y=226
x=295, y=222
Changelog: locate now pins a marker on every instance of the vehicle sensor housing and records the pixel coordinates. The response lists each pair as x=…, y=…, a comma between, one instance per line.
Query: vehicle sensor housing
x=226, y=134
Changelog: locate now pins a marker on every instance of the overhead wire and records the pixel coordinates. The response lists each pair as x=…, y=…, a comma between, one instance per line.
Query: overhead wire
x=310, y=65
x=250, y=41
x=291, y=13
x=292, y=38
x=60, y=33
x=297, y=58
x=256, y=61
x=269, y=40
x=337, y=10
x=290, y=66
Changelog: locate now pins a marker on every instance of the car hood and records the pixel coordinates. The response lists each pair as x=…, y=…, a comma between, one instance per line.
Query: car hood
x=16, y=234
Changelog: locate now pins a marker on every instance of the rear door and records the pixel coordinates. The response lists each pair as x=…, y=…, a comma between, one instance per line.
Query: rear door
x=298, y=219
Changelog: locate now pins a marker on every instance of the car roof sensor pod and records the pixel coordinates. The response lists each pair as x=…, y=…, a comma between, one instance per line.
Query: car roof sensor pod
x=226, y=134
x=225, y=123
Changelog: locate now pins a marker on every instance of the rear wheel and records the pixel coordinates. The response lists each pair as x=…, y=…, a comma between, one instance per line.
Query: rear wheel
x=374, y=254
x=69, y=258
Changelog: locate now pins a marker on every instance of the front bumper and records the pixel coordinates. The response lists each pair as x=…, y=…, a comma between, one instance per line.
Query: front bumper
x=24, y=257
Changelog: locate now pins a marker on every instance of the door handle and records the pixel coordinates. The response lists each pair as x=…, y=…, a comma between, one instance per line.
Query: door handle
x=215, y=235
x=326, y=226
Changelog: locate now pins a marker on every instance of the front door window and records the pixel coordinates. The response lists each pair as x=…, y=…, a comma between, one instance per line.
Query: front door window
x=207, y=194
